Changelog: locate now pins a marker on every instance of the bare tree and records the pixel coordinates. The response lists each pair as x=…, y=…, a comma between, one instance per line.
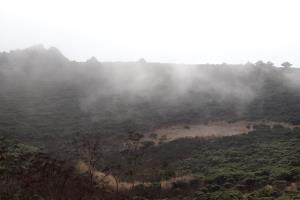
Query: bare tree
x=90, y=152
x=133, y=152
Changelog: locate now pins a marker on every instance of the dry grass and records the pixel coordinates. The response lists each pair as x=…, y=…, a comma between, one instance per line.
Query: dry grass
x=211, y=129
x=109, y=180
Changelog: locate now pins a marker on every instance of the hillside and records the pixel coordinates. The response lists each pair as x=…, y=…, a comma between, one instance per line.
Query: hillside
x=142, y=130
x=263, y=164
x=43, y=92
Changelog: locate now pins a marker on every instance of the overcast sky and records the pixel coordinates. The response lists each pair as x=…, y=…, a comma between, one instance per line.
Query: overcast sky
x=180, y=31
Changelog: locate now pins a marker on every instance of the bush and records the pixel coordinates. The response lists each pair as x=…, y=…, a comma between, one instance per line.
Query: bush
x=280, y=184
x=213, y=188
x=180, y=185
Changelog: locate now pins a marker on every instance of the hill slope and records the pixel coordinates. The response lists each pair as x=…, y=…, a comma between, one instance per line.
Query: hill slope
x=42, y=92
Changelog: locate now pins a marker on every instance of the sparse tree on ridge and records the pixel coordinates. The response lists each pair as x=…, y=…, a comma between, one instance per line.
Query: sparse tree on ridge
x=286, y=64
x=271, y=64
x=260, y=63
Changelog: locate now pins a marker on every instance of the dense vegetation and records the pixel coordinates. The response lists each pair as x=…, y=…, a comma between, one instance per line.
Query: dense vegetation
x=263, y=164
x=54, y=112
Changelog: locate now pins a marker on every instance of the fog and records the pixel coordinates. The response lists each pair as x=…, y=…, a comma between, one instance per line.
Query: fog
x=149, y=99
x=38, y=67
x=41, y=90
x=173, y=31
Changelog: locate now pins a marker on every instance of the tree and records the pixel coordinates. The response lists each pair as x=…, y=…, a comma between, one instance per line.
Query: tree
x=260, y=63
x=286, y=64
x=132, y=150
x=142, y=60
x=90, y=152
x=271, y=64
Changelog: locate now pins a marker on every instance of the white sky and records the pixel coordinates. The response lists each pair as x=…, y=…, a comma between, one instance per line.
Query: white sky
x=182, y=31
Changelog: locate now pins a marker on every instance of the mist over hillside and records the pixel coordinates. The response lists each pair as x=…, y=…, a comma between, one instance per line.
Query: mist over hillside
x=149, y=100
x=44, y=92
x=152, y=130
